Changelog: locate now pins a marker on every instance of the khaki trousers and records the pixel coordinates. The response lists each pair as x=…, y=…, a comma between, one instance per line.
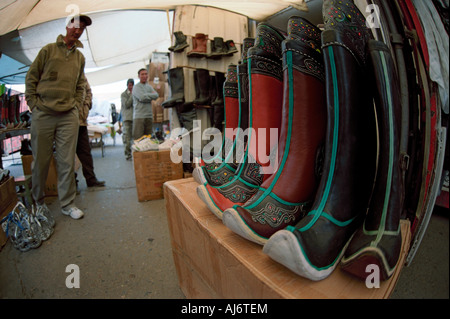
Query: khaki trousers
x=61, y=130
x=142, y=127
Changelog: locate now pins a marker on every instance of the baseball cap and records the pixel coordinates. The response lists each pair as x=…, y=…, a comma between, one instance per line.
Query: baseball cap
x=83, y=18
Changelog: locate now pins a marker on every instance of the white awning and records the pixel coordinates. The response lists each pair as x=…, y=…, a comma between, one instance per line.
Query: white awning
x=123, y=34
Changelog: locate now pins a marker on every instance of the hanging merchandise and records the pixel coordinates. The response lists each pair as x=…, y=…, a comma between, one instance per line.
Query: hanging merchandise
x=5, y=108
x=199, y=43
x=427, y=143
x=10, y=105
x=438, y=48
x=378, y=241
x=266, y=98
x=313, y=247
x=28, y=230
x=2, y=125
x=284, y=198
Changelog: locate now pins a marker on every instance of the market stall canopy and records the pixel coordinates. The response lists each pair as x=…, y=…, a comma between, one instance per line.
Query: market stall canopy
x=120, y=40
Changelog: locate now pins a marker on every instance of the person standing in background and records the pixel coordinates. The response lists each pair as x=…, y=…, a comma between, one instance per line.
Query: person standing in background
x=83, y=147
x=143, y=94
x=54, y=88
x=126, y=115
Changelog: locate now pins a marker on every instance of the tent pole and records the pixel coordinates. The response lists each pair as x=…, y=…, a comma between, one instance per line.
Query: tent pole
x=168, y=22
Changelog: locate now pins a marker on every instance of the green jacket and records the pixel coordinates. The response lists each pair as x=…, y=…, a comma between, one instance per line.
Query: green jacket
x=127, y=106
x=55, y=81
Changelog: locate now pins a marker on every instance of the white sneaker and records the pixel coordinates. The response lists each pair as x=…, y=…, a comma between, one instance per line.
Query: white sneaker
x=73, y=212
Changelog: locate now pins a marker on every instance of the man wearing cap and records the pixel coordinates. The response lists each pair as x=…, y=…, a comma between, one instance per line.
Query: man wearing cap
x=55, y=85
x=126, y=114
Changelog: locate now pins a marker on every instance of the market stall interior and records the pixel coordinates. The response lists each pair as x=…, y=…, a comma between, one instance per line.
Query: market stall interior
x=296, y=151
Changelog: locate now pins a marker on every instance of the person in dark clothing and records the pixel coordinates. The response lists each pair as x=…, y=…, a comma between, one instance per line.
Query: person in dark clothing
x=83, y=147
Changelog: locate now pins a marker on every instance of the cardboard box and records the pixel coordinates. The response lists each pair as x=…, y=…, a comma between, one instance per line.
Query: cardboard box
x=7, y=193
x=156, y=69
x=152, y=169
x=213, y=262
x=51, y=186
x=158, y=110
x=8, y=200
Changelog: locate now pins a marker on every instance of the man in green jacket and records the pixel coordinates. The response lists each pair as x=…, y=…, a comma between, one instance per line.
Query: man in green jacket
x=54, y=90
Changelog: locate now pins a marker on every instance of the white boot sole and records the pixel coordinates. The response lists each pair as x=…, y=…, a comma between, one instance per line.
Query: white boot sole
x=233, y=221
x=284, y=248
x=202, y=192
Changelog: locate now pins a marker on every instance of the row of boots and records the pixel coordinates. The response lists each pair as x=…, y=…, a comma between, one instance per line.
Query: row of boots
x=11, y=116
x=208, y=94
x=331, y=195
x=219, y=47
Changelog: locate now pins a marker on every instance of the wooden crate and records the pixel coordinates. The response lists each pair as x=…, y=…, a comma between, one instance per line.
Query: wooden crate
x=214, y=262
x=51, y=184
x=152, y=169
x=8, y=200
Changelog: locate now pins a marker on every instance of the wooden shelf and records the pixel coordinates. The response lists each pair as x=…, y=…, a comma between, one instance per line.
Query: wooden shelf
x=213, y=262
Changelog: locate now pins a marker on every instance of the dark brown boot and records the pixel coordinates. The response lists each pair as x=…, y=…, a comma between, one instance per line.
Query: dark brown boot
x=378, y=241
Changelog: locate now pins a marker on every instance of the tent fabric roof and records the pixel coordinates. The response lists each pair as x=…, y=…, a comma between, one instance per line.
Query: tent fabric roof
x=122, y=37
x=20, y=14
x=119, y=40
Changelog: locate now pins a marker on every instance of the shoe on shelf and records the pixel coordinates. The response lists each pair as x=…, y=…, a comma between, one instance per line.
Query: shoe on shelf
x=96, y=183
x=72, y=211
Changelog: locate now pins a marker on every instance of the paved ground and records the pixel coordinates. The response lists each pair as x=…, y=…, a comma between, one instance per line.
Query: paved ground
x=123, y=251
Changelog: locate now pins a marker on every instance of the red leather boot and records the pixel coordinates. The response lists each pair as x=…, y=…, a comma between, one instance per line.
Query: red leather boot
x=315, y=245
x=236, y=122
x=283, y=199
x=266, y=99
